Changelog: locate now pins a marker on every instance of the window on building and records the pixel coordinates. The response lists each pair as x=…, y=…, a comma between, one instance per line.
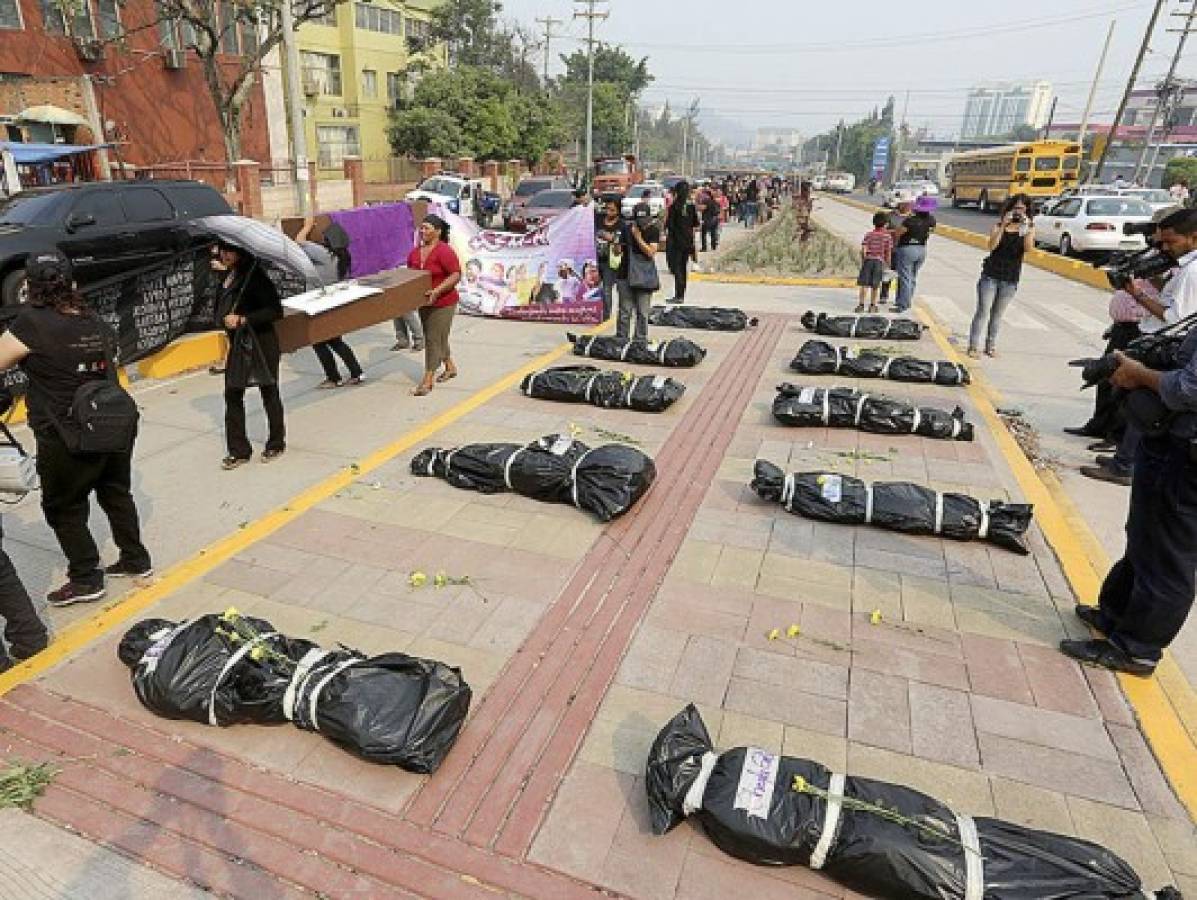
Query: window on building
x=394, y=85
x=228, y=28
x=168, y=34
x=10, y=14
x=108, y=18
x=369, y=17
x=335, y=142
x=327, y=17
x=369, y=84
x=248, y=31
x=146, y=205
x=419, y=29
x=321, y=72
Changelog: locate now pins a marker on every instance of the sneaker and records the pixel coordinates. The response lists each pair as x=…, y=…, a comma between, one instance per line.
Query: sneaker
x=122, y=569
x=232, y=462
x=400, y=345
x=271, y=455
x=356, y=380
x=328, y=384
x=417, y=347
x=72, y=592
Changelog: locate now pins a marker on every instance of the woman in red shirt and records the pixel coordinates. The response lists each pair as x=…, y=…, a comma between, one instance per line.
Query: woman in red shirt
x=436, y=257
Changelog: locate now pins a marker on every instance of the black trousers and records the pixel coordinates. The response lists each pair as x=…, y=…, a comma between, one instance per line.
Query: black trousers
x=326, y=349
x=236, y=437
x=1108, y=419
x=68, y=481
x=1147, y=595
x=711, y=230
x=24, y=630
x=678, y=259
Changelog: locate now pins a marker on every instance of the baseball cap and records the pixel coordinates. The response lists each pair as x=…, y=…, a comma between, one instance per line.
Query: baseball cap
x=48, y=266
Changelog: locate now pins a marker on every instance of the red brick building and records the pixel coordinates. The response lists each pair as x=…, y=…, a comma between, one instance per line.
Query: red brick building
x=143, y=94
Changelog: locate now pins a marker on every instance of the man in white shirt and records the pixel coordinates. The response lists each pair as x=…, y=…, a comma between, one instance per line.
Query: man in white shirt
x=1180, y=192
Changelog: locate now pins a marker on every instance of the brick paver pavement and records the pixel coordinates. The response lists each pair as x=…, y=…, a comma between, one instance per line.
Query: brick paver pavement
x=582, y=640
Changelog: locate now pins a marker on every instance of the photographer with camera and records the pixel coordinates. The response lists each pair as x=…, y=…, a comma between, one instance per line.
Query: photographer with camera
x=1177, y=300
x=1009, y=240
x=1147, y=595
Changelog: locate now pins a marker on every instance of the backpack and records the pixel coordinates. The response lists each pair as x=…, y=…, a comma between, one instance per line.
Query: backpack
x=103, y=416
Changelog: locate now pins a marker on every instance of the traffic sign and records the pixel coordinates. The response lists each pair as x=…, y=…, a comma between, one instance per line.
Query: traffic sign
x=881, y=154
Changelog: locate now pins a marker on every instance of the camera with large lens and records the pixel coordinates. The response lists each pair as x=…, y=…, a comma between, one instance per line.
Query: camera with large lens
x=1123, y=268
x=1156, y=351
x=1147, y=229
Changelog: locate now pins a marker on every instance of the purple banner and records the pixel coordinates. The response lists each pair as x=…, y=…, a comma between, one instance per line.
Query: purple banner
x=380, y=237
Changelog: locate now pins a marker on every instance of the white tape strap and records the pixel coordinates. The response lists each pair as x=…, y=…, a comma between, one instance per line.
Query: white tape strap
x=918, y=420
x=627, y=397
x=885, y=368
x=586, y=393
x=868, y=519
x=860, y=405
x=693, y=800
x=852, y=328
x=934, y=370
x=974, y=862
x=531, y=384
x=826, y=407
x=983, y=529
x=839, y=359
x=233, y=659
x=589, y=344
x=507, y=468
x=831, y=821
x=661, y=352
x=938, y=527
x=312, y=701
x=573, y=478
x=787, y=491
x=449, y=460
x=956, y=426
x=623, y=354
x=959, y=374
x=305, y=665
x=432, y=460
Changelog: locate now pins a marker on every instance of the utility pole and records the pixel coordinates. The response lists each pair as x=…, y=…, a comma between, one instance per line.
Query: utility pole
x=1130, y=86
x=294, y=101
x=1051, y=117
x=1101, y=64
x=590, y=14
x=839, y=140
x=1166, y=95
x=548, y=22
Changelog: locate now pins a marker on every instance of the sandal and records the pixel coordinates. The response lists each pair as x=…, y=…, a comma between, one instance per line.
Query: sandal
x=859, y=307
x=232, y=462
x=447, y=375
x=272, y=455
x=991, y=352
x=422, y=390
x=873, y=309
x=973, y=353
x=328, y=384
x=356, y=380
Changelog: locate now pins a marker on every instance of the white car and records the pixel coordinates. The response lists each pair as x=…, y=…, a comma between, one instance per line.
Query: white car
x=904, y=190
x=1080, y=224
x=650, y=192
x=452, y=191
x=1156, y=198
x=841, y=183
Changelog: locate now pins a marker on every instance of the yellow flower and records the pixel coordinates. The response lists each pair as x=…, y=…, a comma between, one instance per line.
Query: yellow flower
x=441, y=579
x=231, y=614
x=875, y=617
x=793, y=631
x=800, y=784
x=774, y=634
x=574, y=430
x=258, y=653
x=417, y=579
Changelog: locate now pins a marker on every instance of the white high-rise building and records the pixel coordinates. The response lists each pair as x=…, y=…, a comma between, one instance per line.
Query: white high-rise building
x=994, y=110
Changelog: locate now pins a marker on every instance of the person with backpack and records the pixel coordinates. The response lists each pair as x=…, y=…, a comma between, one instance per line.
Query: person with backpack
x=84, y=424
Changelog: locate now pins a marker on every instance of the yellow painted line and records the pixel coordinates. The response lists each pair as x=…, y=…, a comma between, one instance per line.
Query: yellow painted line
x=732, y=278
x=190, y=352
x=1072, y=269
x=1165, y=706
x=77, y=635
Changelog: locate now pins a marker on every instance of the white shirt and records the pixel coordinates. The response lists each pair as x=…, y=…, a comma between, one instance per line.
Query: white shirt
x=1179, y=296
x=1179, y=192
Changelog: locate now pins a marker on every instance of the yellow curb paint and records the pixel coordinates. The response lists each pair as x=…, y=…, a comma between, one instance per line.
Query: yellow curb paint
x=732, y=278
x=1162, y=722
x=77, y=635
x=1072, y=269
x=184, y=354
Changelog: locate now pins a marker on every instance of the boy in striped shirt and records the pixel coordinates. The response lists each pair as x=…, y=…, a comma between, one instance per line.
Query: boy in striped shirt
x=876, y=249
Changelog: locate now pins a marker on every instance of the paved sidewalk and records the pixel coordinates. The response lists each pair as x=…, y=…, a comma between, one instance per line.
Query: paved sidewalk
x=582, y=640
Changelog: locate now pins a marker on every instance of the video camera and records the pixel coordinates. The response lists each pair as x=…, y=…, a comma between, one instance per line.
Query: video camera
x=1157, y=351
x=1122, y=268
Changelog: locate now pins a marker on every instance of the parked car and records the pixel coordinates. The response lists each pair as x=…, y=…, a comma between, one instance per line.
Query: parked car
x=1156, y=198
x=841, y=182
x=104, y=227
x=540, y=209
x=904, y=190
x=1085, y=223
x=455, y=192
x=650, y=192
x=526, y=190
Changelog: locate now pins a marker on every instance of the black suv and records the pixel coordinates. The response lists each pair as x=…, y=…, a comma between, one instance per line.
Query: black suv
x=104, y=227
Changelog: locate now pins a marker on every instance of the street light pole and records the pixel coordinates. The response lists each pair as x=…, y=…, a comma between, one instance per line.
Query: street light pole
x=1166, y=95
x=548, y=22
x=294, y=94
x=1130, y=86
x=1101, y=64
x=590, y=14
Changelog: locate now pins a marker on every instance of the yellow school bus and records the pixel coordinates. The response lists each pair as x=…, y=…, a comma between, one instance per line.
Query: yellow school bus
x=1039, y=169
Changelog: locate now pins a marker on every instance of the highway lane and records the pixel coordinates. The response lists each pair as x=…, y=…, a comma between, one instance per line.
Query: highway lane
x=965, y=217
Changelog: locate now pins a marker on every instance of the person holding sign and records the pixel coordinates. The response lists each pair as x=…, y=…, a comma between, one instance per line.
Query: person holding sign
x=67, y=353
x=434, y=256
x=247, y=308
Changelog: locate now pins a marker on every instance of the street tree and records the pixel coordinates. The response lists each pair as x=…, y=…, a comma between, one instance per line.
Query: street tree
x=470, y=31
x=230, y=40
x=425, y=132
x=612, y=65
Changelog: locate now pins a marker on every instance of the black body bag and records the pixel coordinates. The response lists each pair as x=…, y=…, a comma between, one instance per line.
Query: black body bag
x=675, y=353
x=607, y=390
x=894, y=506
x=606, y=480
x=844, y=407
x=822, y=358
x=863, y=326
x=751, y=806
x=707, y=318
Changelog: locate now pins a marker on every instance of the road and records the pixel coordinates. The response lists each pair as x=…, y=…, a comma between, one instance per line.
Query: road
x=965, y=217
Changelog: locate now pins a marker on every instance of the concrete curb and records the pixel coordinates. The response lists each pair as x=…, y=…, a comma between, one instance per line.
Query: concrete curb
x=1072, y=269
x=731, y=278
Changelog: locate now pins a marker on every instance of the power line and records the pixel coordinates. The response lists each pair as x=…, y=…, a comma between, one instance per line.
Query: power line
x=591, y=16
x=548, y=22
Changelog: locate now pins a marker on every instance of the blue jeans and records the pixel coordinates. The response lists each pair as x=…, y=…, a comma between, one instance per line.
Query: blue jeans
x=993, y=297
x=750, y=215
x=908, y=259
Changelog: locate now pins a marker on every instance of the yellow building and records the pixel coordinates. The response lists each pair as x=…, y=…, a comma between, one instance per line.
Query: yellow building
x=354, y=65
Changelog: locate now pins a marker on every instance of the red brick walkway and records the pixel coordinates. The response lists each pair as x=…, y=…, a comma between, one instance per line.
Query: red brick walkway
x=194, y=812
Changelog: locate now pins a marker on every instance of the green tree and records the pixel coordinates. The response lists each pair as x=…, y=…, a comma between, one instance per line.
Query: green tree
x=470, y=30
x=425, y=132
x=1021, y=133
x=612, y=65
x=1180, y=167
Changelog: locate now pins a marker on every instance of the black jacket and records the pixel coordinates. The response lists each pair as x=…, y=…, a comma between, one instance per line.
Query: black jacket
x=253, y=295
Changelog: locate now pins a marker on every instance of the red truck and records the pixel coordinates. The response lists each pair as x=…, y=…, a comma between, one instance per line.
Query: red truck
x=615, y=174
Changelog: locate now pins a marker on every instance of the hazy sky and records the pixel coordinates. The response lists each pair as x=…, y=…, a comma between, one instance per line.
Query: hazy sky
x=805, y=64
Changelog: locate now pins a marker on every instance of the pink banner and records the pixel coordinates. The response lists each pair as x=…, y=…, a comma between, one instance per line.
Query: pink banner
x=545, y=275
